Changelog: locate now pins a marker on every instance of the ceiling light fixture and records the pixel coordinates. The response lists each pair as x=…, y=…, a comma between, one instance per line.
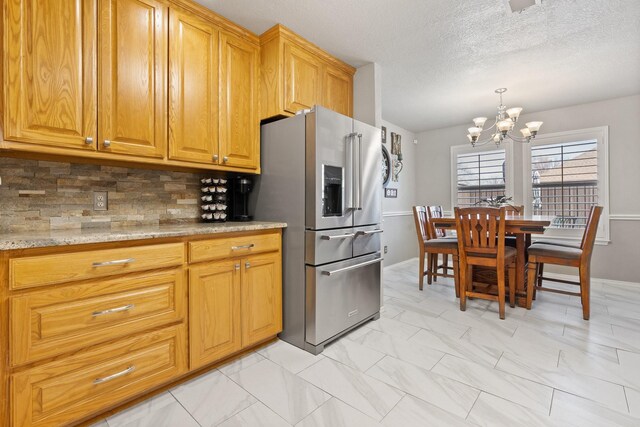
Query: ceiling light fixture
x=505, y=122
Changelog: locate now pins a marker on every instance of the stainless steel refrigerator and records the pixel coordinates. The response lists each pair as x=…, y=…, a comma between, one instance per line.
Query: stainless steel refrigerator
x=321, y=173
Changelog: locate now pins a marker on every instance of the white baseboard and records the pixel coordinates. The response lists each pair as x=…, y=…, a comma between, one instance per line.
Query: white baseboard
x=406, y=261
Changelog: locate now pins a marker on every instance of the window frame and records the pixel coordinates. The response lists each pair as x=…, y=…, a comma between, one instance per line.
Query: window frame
x=465, y=149
x=601, y=135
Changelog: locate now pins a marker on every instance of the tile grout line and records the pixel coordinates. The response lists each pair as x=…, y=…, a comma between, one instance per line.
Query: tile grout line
x=180, y=403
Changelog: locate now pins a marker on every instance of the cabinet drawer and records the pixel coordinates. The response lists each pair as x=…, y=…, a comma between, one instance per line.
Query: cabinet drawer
x=206, y=250
x=69, y=389
x=55, y=321
x=41, y=270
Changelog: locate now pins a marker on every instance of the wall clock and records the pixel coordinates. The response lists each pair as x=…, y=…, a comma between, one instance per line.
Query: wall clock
x=386, y=166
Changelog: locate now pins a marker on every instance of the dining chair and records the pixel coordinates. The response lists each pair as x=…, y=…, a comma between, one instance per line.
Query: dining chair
x=481, y=243
x=434, y=212
x=428, y=245
x=544, y=253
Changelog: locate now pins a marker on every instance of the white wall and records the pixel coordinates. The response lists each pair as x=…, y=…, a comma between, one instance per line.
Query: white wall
x=616, y=261
x=399, y=229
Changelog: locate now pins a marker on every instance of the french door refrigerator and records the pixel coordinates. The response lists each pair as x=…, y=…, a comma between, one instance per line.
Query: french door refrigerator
x=321, y=174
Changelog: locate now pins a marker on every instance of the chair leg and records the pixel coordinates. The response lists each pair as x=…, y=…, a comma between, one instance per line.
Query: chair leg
x=435, y=267
x=429, y=268
x=464, y=274
x=585, y=285
x=531, y=281
x=539, y=276
x=421, y=270
x=501, y=291
x=512, y=285
x=456, y=275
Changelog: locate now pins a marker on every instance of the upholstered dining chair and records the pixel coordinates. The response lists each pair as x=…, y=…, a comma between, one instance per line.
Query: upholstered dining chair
x=545, y=253
x=429, y=246
x=481, y=243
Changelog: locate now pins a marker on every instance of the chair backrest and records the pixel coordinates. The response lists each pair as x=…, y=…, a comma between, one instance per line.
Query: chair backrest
x=435, y=212
x=480, y=232
x=514, y=210
x=421, y=221
x=590, y=231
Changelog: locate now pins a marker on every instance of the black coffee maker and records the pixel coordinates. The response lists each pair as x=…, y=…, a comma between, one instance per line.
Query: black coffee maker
x=241, y=186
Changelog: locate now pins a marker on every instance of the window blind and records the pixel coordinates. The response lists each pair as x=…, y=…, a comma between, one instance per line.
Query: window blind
x=480, y=176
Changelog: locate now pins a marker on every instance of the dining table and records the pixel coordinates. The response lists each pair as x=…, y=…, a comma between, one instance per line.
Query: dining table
x=520, y=226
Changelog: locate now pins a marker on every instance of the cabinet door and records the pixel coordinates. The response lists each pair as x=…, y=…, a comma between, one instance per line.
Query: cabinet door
x=214, y=311
x=337, y=90
x=302, y=79
x=261, y=297
x=193, y=89
x=239, y=120
x=132, y=87
x=51, y=73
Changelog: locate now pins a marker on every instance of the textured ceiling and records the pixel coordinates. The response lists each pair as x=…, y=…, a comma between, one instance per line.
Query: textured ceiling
x=442, y=59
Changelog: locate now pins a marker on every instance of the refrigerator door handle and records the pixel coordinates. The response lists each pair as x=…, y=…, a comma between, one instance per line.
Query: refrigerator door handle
x=359, y=204
x=368, y=232
x=349, y=141
x=353, y=267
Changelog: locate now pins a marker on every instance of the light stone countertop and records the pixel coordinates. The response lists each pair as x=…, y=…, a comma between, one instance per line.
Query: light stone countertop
x=41, y=239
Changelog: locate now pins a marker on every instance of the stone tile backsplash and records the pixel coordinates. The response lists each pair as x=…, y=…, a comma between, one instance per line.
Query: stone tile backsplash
x=41, y=195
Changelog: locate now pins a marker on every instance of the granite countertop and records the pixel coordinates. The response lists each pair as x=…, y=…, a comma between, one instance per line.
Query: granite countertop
x=41, y=239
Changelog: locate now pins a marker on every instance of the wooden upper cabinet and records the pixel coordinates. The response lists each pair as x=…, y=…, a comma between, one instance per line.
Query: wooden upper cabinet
x=51, y=73
x=193, y=89
x=132, y=80
x=302, y=79
x=297, y=75
x=337, y=90
x=239, y=103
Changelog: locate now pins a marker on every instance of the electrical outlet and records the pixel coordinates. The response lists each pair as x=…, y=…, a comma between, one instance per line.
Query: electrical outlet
x=386, y=249
x=100, y=200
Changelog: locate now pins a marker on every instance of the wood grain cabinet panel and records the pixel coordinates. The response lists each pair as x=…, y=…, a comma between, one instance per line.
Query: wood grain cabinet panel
x=225, y=247
x=214, y=312
x=50, y=87
x=337, y=90
x=193, y=89
x=55, y=321
x=302, y=79
x=43, y=270
x=239, y=102
x=261, y=297
x=132, y=80
x=68, y=389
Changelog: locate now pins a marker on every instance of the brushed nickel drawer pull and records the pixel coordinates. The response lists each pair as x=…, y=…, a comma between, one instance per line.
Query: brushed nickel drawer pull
x=337, y=236
x=115, y=262
x=237, y=248
x=88, y=140
x=113, y=310
x=114, y=376
x=247, y=264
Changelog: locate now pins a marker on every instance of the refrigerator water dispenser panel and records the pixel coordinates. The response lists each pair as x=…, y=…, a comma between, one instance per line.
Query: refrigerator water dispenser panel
x=332, y=197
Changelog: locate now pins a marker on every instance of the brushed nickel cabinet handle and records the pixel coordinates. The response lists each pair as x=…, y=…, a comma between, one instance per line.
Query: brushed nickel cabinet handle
x=237, y=266
x=114, y=262
x=225, y=159
x=88, y=140
x=215, y=157
x=247, y=264
x=107, y=143
x=114, y=376
x=237, y=248
x=113, y=310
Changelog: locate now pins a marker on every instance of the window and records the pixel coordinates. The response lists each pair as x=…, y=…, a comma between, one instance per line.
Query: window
x=480, y=174
x=566, y=175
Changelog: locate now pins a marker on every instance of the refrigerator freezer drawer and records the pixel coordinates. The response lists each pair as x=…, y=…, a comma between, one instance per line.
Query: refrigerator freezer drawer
x=340, y=295
x=322, y=247
x=367, y=240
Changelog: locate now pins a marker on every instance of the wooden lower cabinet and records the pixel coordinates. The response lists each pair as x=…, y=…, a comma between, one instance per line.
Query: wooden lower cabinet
x=261, y=297
x=214, y=310
x=68, y=389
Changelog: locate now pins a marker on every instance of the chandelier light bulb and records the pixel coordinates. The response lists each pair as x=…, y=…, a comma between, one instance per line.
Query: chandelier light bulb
x=514, y=113
x=533, y=127
x=479, y=122
x=505, y=126
x=474, y=131
x=525, y=132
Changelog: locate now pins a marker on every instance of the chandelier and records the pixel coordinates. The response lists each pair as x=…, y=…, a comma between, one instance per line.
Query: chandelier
x=505, y=122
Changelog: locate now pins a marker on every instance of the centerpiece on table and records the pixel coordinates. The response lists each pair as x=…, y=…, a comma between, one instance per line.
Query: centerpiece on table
x=497, y=202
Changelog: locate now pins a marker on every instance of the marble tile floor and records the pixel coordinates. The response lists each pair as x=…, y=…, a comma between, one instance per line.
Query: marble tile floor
x=425, y=363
